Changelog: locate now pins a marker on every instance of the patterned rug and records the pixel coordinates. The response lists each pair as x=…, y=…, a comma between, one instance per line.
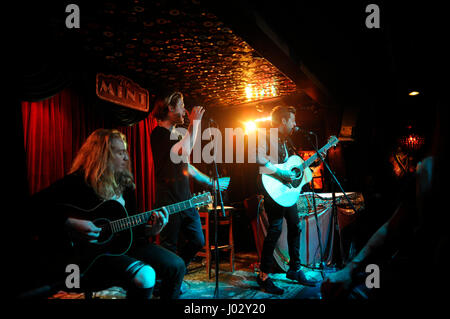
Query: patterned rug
x=237, y=285
x=240, y=284
x=243, y=285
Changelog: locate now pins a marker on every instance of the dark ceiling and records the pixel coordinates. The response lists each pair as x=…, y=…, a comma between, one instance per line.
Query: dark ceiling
x=179, y=45
x=216, y=52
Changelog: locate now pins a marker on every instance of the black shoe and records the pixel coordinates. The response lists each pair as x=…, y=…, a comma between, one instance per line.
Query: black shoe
x=269, y=287
x=157, y=288
x=300, y=277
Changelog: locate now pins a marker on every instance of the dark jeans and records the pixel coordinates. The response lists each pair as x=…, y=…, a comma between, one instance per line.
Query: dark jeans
x=168, y=267
x=275, y=214
x=188, y=223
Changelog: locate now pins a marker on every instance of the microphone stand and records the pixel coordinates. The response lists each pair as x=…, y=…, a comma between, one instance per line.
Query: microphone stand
x=334, y=211
x=319, y=233
x=216, y=189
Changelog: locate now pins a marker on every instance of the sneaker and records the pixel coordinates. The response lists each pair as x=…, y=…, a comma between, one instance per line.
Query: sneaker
x=300, y=277
x=269, y=287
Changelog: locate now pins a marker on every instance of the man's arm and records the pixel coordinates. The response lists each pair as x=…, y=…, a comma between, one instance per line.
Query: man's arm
x=339, y=283
x=317, y=162
x=382, y=236
x=269, y=168
x=205, y=179
x=186, y=144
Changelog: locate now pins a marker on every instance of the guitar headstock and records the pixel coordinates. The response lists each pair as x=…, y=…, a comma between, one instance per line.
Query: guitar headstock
x=333, y=140
x=202, y=199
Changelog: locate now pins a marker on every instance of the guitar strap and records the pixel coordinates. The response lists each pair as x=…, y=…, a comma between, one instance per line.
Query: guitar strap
x=293, y=149
x=285, y=149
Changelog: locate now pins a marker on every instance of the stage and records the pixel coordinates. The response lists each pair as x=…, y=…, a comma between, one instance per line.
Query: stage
x=240, y=284
x=241, y=80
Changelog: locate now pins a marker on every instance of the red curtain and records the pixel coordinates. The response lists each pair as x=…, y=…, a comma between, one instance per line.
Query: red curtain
x=55, y=129
x=138, y=139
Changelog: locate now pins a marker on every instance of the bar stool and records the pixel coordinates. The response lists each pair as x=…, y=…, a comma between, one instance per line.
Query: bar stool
x=207, y=218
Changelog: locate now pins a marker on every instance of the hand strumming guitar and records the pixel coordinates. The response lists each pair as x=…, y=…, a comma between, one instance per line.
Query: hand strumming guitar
x=83, y=229
x=286, y=175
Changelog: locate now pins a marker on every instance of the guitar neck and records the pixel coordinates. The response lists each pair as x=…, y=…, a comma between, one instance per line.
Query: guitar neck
x=143, y=218
x=314, y=157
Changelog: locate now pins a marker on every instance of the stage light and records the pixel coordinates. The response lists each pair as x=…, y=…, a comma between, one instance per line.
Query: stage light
x=273, y=90
x=412, y=93
x=257, y=92
x=249, y=92
x=249, y=126
x=269, y=118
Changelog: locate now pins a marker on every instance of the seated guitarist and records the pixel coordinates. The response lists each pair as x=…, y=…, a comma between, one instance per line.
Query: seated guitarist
x=283, y=118
x=101, y=171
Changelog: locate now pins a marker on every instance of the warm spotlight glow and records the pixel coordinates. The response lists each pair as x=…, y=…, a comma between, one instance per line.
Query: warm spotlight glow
x=273, y=90
x=269, y=118
x=249, y=92
x=250, y=126
x=256, y=92
x=412, y=93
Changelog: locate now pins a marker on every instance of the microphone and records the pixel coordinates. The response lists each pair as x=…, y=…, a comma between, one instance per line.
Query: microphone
x=208, y=116
x=302, y=130
x=210, y=120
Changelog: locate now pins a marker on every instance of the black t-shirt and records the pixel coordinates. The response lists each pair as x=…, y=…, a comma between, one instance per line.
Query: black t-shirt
x=72, y=189
x=172, y=180
x=50, y=244
x=285, y=149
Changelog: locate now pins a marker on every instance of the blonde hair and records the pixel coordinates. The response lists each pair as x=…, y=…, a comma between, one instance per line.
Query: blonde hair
x=93, y=160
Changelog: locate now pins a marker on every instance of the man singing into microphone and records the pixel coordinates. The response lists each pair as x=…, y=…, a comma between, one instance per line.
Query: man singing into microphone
x=172, y=178
x=283, y=119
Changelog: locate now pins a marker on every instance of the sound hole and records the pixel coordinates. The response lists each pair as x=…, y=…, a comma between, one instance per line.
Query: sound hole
x=298, y=173
x=106, y=232
x=298, y=176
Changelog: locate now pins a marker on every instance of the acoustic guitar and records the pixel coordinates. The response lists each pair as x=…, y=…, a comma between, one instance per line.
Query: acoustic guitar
x=286, y=193
x=116, y=235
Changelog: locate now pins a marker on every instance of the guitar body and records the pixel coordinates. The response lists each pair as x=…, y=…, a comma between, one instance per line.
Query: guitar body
x=116, y=235
x=109, y=243
x=286, y=194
